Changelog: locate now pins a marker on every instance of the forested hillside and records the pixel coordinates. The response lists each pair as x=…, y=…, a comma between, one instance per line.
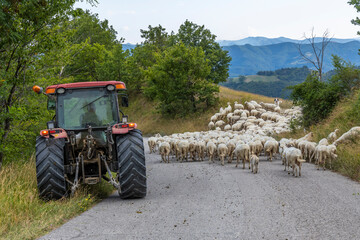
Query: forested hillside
x=269, y=83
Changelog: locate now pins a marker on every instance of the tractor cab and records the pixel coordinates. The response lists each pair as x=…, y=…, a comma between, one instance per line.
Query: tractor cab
x=80, y=105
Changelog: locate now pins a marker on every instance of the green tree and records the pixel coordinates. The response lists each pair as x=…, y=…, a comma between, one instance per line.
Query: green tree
x=195, y=35
x=88, y=27
x=94, y=54
x=28, y=31
x=178, y=79
x=347, y=76
x=156, y=36
x=317, y=98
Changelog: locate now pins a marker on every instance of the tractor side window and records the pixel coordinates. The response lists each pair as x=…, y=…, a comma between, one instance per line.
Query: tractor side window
x=51, y=103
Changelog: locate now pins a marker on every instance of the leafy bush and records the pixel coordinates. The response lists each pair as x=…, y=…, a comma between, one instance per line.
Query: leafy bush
x=316, y=98
x=319, y=98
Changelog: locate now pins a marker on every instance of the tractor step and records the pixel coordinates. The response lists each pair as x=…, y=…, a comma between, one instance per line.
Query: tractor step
x=92, y=180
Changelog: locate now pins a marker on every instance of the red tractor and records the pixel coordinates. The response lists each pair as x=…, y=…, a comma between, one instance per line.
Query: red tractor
x=88, y=138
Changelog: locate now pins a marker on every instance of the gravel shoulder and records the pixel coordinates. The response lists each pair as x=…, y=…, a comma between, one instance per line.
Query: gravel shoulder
x=198, y=200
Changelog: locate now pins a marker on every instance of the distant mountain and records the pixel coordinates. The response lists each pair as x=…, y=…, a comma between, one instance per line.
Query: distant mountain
x=269, y=83
x=127, y=46
x=248, y=59
x=263, y=41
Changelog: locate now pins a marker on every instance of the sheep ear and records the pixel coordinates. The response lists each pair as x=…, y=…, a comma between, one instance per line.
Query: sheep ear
x=301, y=160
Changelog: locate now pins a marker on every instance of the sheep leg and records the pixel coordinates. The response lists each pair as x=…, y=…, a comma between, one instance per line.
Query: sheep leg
x=319, y=160
x=237, y=161
x=243, y=163
x=222, y=160
x=293, y=169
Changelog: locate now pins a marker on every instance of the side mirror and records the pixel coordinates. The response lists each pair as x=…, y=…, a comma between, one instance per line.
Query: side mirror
x=51, y=103
x=124, y=101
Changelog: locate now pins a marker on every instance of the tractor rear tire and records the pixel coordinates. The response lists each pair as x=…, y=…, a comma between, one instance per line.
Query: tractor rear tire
x=50, y=172
x=132, y=169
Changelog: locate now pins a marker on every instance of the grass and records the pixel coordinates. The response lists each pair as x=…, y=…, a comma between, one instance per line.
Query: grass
x=24, y=216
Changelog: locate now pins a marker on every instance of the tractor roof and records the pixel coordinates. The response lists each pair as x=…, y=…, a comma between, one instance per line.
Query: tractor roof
x=118, y=84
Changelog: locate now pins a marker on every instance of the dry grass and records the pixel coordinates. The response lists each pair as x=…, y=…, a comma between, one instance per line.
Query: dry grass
x=24, y=216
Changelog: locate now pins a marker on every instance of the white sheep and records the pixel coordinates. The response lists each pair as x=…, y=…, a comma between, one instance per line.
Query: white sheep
x=201, y=149
x=238, y=106
x=222, y=152
x=227, y=127
x=271, y=147
x=277, y=109
x=164, y=150
x=323, y=153
x=211, y=125
x=256, y=105
x=309, y=150
x=254, y=162
x=324, y=142
x=228, y=109
x=294, y=159
x=333, y=136
x=256, y=147
x=249, y=106
x=184, y=149
x=152, y=144
x=192, y=150
x=219, y=123
x=349, y=135
x=211, y=148
x=242, y=151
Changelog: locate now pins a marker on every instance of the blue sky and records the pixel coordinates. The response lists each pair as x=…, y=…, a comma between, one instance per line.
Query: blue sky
x=230, y=19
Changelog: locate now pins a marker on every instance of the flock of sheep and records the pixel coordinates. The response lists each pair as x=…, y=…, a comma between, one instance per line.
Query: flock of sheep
x=242, y=132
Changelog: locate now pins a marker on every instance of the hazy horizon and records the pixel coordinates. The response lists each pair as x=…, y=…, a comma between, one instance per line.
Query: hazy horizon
x=230, y=19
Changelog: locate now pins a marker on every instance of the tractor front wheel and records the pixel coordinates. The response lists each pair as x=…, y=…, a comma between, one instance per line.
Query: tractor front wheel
x=50, y=172
x=132, y=169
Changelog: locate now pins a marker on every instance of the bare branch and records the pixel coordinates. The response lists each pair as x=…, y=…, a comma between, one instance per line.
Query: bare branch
x=318, y=51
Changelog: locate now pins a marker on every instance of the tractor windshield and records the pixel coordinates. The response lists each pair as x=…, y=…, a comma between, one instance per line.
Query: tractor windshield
x=77, y=109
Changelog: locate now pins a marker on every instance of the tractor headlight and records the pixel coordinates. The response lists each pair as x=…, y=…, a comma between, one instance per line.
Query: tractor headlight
x=110, y=87
x=60, y=90
x=124, y=119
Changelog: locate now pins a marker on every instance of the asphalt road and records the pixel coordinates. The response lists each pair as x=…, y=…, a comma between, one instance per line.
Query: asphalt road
x=198, y=200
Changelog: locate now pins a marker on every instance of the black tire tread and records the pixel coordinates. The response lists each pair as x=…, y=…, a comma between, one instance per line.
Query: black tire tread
x=132, y=169
x=50, y=168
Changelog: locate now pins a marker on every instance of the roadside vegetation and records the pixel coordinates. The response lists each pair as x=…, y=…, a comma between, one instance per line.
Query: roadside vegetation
x=24, y=216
